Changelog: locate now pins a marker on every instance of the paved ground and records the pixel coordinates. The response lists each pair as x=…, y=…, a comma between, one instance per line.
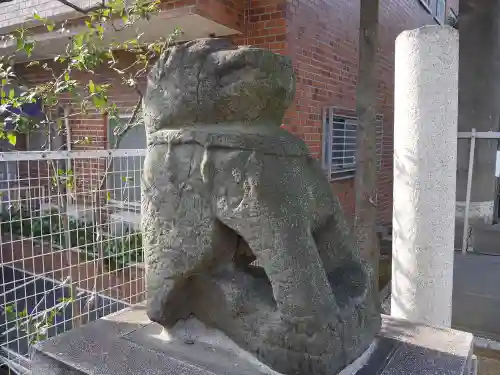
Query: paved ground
x=488, y=366
x=488, y=361
x=476, y=294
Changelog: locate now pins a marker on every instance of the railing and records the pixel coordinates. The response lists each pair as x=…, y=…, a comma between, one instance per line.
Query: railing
x=71, y=249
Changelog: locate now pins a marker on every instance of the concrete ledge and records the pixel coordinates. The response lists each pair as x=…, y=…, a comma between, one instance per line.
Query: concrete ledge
x=127, y=343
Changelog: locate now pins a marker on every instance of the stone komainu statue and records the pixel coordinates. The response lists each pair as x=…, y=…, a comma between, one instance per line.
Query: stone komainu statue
x=223, y=186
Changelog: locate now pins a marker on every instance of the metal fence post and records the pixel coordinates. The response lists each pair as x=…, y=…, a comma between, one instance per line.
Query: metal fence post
x=467, y=196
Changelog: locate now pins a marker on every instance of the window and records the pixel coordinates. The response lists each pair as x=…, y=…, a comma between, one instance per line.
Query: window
x=339, y=143
x=437, y=8
x=440, y=11
x=124, y=182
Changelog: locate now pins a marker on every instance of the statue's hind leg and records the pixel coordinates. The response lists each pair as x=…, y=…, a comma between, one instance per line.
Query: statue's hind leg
x=181, y=233
x=350, y=278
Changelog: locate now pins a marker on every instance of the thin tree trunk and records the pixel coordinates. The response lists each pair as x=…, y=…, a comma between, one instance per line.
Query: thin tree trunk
x=366, y=148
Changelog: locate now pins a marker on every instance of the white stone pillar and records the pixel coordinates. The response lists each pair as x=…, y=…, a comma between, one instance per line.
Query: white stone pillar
x=425, y=163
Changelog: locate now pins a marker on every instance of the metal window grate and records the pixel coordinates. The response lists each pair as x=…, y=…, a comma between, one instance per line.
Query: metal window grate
x=69, y=254
x=339, y=143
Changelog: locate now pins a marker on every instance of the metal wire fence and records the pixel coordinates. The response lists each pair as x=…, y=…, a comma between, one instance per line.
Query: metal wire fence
x=71, y=248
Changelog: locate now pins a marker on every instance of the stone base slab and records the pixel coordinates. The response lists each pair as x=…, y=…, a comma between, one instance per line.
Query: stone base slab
x=127, y=343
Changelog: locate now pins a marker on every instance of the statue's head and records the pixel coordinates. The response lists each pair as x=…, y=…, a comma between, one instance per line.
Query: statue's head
x=210, y=81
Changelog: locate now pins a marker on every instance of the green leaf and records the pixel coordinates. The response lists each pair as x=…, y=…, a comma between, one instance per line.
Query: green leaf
x=108, y=195
x=91, y=86
x=100, y=30
x=78, y=39
x=37, y=16
x=12, y=138
x=28, y=47
x=50, y=27
x=99, y=101
x=12, y=93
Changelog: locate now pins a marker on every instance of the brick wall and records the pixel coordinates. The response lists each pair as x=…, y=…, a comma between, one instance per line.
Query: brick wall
x=265, y=25
x=322, y=40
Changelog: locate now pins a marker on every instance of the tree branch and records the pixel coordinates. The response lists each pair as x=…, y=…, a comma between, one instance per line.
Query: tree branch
x=130, y=123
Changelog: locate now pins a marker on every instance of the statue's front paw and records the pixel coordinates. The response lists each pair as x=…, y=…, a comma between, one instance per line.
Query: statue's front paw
x=312, y=335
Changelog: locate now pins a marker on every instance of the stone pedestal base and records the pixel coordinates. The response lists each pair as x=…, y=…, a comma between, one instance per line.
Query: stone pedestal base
x=127, y=343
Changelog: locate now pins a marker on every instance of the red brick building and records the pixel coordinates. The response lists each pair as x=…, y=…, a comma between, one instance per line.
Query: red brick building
x=320, y=36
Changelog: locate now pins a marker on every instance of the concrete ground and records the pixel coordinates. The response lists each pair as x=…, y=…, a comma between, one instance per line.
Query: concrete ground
x=488, y=361
x=476, y=294
x=488, y=366
x=476, y=303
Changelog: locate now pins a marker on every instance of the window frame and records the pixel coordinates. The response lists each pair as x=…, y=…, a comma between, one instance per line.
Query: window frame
x=427, y=5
